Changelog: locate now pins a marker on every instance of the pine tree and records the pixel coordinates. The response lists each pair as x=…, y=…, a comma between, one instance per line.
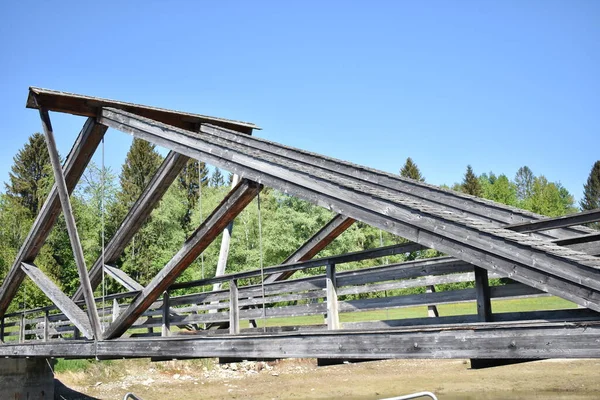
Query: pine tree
x=591, y=189
x=410, y=170
x=524, y=180
x=31, y=174
x=471, y=183
x=140, y=165
x=217, y=180
x=189, y=183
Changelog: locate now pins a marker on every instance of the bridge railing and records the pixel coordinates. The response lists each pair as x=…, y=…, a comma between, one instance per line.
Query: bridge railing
x=375, y=296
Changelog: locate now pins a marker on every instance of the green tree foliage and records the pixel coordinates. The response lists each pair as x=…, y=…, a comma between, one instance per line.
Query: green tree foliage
x=498, y=188
x=591, y=189
x=217, y=179
x=470, y=184
x=189, y=181
x=31, y=174
x=524, y=181
x=548, y=198
x=410, y=170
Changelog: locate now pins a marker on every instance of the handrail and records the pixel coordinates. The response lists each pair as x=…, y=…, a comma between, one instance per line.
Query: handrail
x=414, y=396
x=319, y=262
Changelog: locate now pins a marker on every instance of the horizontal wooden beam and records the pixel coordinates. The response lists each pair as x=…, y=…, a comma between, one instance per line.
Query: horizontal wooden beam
x=496, y=340
x=230, y=207
x=75, y=314
x=584, y=217
x=137, y=215
x=85, y=145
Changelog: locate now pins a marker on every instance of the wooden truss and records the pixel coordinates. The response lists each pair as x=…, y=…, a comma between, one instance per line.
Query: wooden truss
x=482, y=239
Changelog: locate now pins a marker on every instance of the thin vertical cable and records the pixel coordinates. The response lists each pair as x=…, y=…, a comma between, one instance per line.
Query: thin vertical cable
x=200, y=206
x=102, y=212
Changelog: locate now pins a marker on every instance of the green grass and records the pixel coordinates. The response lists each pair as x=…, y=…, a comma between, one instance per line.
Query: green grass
x=498, y=306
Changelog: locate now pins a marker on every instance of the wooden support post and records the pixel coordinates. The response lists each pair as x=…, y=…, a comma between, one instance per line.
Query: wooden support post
x=234, y=308
x=154, y=191
x=2, y=322
x=225, y=243
x=166, y=324
x=115, y=310
x=85, y=145
x=63, y=194
x=333, y=318
x=482, y=288
x=229, y=208
x=432, y=310
x=71, y=310
x=121, y=276
x=22, y=329
x=46, y=325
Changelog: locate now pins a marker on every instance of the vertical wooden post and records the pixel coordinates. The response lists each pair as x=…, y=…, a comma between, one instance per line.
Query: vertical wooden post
x=76, y=333
x=22, y=329
x=63, y=194
x=2, y=329
x=234, y=309
x=46, y=324
x=333, y=318
x=166, y=325
x=482, y=288
x=432, y=310
x=115, y=310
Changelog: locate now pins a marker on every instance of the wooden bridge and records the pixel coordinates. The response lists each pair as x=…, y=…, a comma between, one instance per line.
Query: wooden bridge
x=248, y=315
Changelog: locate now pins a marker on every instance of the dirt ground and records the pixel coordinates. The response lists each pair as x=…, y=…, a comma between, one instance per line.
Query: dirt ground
x=302, y=379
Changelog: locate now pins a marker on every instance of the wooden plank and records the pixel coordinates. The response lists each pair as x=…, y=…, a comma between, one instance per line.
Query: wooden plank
x=63, y=194
x=88, y=106
x=333, y=318
x=482, y=288
x=432, y=310
x=137, y=215
x=229, y=208
x=84, y=147
x=121, y=276
x=225, y=243
x=584, y=217
x=234, y=308
x=338, y=225
x=75, y=314
x=320, y=262
x=166, y=324
x=509, y=253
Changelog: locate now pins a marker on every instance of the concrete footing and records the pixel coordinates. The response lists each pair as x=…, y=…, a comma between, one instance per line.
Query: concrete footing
x=26, y=378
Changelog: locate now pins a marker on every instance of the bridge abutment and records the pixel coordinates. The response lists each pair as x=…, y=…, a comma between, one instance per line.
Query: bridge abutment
x=26, y=378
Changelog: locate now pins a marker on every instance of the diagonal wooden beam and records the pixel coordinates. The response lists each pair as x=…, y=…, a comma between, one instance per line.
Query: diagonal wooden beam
x=148, y=200
x=63, y=194
x=230, y=207
x=84, y=147
x=564, y=221
x=125, y=280
x=315, y=244
x=75, y=314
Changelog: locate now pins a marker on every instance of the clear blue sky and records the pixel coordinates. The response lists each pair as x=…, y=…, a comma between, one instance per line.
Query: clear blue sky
x=494, y=84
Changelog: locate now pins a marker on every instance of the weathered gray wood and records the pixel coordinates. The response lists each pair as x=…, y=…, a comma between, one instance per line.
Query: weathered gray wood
x=121, y=276
x=22, y=329
x=75, y=314
x=234, y=308
x=63, y=194
x=166, y=324
x=333, y=318
x=229, y=208
x=507, y=252
x=115, y=310
x=579, y=218
x=320, y=262
x=540, y=340
x=85, y=145
x=432, y=310
x=46, y=325
x=482, y=287
x=137, y=215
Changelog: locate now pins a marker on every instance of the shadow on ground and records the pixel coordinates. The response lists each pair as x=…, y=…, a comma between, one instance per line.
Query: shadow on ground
x=61, y=392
